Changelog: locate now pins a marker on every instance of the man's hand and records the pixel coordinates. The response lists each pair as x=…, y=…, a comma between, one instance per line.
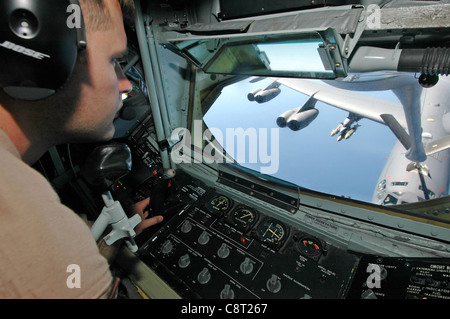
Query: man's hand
x=110, y=251
x=140, y=208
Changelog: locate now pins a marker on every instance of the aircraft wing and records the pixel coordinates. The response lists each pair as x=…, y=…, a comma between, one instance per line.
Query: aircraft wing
x=365, y=105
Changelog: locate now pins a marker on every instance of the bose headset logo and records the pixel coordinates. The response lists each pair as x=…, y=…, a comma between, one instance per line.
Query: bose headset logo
x=23, y=50
x=73, y=21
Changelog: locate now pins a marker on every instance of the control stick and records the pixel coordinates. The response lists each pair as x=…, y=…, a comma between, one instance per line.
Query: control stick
x=123, y=227
x=103, y=168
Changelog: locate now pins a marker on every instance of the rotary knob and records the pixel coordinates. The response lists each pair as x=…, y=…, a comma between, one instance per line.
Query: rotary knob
x=368, y=294
x=166, y=247
x=223, y=251
x=204, y=276
x=203, y=239
x=186, y=227
x=184, y=261
x=246, y=266
x=273, y=284
x=227, y=292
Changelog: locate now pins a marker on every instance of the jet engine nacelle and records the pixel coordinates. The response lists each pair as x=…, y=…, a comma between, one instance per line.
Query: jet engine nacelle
x=251, y=95
x=296, y=120
x=262, y=96
x=284, y=117
x=301, y=120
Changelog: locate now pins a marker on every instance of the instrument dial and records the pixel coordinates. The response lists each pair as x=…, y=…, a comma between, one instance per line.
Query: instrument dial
x=272, y=231
x=243, y=218
x=218, y=205
x=310, y=246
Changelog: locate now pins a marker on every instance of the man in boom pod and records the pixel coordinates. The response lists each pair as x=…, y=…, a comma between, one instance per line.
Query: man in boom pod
x=40, y=237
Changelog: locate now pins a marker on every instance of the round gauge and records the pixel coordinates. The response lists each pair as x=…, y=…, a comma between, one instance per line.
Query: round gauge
x=218, y=205
x=272, y=231
x=243, y=218
x=310, y=246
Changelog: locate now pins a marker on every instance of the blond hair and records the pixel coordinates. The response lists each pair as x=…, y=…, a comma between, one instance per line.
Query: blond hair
x=97, y=16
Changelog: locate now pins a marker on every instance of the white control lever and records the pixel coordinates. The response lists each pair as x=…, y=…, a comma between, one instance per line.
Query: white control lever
x=114, y=215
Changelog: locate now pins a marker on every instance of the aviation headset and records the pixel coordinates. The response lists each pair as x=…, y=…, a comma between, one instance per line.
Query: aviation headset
x=39, y=44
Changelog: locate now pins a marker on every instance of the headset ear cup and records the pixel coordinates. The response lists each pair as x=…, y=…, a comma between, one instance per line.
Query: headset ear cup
x=38, y=47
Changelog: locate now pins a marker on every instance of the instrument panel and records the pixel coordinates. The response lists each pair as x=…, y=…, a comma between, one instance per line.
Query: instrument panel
x=220, y=248
x=212, y=246
x=243, y=218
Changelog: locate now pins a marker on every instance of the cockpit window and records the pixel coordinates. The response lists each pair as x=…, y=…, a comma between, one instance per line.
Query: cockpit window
x=309, y=157
x=327, y=149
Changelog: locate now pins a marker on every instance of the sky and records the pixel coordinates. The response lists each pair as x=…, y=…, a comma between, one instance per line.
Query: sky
x=310, y=158
x=294, y=56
